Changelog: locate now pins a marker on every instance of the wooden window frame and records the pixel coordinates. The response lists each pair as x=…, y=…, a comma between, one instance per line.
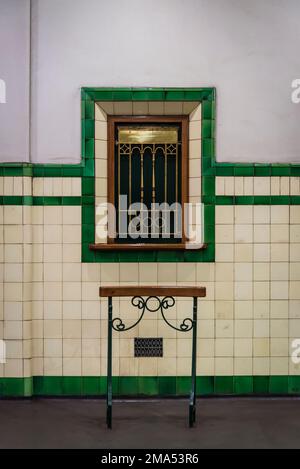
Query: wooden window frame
x=112, y=121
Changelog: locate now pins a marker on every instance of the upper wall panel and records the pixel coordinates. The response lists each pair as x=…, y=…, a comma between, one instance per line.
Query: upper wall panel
x=247, y=49
x=14, y=73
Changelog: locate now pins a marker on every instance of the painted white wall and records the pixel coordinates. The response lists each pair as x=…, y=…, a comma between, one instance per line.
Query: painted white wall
x=248, y=49
x=14, y=79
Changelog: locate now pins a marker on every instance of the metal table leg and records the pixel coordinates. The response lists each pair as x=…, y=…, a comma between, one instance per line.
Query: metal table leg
x=109, y=366
x=192, y=406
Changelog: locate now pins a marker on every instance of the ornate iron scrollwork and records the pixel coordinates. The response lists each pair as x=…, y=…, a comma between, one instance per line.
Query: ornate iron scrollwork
x=143, y=304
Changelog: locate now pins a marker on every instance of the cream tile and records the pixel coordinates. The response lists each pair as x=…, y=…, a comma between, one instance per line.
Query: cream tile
x=261, y=214
x=243, y=328
x=224, y=252
x=243, y=233
x=224, y=271
x=243, y=347
x=243, y=214
x=279, y=366
x=261, y=328
x=261, y=309
x=243, y=252
x=243, y=366
x=224, y=290
x=280, y=214
x=261, y=271
x=243, y=271
x=243, y=290
x=261, y=347
x=262, y=252
x=243, y=309
x=262, y=186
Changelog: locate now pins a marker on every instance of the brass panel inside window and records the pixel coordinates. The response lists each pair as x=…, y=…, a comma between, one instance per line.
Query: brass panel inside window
x=154, y=134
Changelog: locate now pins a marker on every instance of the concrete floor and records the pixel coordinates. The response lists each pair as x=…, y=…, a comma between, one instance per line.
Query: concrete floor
x=80, y=423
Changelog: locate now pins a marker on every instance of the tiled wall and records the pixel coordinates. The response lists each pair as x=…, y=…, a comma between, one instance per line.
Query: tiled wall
x=55, y=325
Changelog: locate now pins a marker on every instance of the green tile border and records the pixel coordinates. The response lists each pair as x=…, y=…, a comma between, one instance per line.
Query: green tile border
x=149, y=386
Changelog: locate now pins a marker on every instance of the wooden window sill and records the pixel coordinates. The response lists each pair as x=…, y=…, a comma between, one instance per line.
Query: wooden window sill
x=146, y=247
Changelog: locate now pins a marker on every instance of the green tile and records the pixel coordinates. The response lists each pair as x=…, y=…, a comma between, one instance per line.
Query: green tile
x=38, y=171
x=52, y=171
x=208, y=185
x=280, y=200
x=263, y=170
x=147, y=256
x=209, y=214
x=205, y=385
x=89, y=148
x=72, y=171
x=295, y=170
x=243, y=384
x=122, y=95
x=148, y=385
x=209, y=233
x=208, y=254
x=89, y=168
x=27, y=200
x=207, y=147
x=103, y=95
x=262, y=200
x=294, y=384
x=28, y=387
x=294, y=199
x=12, y=200
x=207, y=166
x=72, y=385
x=175, y=95
x=88, y=185
x=86, y=253
x=280, y=170
x=243, y=170
x=183, y=385
x=207, y=128
x=71, y=200
x=148, y=95
x=115, y=385
x=13, y=171
x=167, y=385
x=91, y=386
x=169, y=256
x=89, y=110
x=128, y=385
x=12, y=387
x=88, y=215
x=223, y=384
x=52, y=385
x=225, y=170
x=208, y=110
x=225, y=200
x=39, y=386
x=261, y=384
x=89, y=127
x=244, y=200
x=278, y=385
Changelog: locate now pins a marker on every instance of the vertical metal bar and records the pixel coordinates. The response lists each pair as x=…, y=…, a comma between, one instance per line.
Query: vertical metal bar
x=166, y=173
x=109, y=366
x=142, y=173
x=192, y=407
x=153, y=211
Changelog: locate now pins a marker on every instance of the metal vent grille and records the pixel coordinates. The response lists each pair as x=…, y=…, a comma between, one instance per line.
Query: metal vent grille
x=148, y=347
